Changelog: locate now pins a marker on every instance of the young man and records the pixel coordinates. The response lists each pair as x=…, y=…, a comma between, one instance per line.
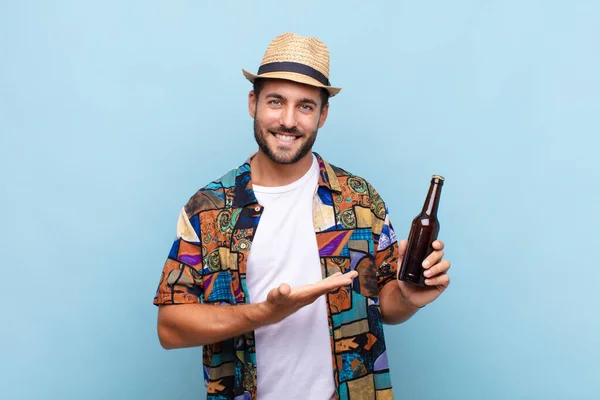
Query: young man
x=285, y=268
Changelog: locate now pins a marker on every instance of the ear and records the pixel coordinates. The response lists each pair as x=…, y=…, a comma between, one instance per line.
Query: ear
x=323, y=116
x=252, y=103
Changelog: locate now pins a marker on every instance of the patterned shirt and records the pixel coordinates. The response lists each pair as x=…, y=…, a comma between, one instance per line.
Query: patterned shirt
x=207, y=263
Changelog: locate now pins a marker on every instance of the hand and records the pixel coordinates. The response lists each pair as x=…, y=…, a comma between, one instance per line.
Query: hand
x=436, y=277
x=283, y=301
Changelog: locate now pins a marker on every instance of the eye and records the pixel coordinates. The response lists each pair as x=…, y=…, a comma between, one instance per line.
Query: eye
x=306, y=107
x=275, y=102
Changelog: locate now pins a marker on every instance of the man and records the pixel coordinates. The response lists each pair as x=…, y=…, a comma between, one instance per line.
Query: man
x=285, y=268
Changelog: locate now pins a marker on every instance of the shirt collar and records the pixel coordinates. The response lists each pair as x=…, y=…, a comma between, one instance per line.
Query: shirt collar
x=244, y=195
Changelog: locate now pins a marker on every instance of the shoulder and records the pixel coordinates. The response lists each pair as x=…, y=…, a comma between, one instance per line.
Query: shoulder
x=217, y=195
x=351, y=182
x=356, y=187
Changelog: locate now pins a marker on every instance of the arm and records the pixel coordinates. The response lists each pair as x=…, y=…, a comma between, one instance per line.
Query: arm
x=394, y=308
x=399, y=300
x=188, y=325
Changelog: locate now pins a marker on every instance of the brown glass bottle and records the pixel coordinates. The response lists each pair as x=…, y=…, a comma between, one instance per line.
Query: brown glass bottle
x=423, y=232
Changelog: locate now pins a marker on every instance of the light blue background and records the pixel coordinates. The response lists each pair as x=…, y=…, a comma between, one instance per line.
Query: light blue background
x=113, y=113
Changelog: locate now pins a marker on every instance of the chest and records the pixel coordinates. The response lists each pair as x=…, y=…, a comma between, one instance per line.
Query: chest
x=339, y=230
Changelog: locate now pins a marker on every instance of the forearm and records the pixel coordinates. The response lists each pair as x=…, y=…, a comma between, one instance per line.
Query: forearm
x=190, y=325
x=394, y=309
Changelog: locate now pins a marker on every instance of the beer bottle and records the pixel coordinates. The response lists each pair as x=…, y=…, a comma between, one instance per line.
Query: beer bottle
x=423, y=232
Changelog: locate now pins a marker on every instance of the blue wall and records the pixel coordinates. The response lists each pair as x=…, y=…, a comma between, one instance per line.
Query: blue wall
x=111, y=114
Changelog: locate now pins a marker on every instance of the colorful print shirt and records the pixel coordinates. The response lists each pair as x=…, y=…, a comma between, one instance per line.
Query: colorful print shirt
x=207, y=263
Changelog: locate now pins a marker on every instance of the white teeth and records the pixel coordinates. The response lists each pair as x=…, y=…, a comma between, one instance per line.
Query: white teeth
x=285, y=138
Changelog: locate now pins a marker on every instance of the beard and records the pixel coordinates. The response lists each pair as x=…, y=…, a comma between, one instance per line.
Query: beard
x=280, y=154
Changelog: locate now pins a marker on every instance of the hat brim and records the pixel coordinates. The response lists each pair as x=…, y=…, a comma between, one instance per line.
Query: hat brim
x=292, y=76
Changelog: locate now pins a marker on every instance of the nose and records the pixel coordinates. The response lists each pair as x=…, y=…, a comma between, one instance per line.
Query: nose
x=287, y=118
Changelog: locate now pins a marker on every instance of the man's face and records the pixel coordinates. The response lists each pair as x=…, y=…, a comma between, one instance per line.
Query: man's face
x=287, y=116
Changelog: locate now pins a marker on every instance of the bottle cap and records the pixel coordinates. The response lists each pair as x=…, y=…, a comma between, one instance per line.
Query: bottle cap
x=441, y=178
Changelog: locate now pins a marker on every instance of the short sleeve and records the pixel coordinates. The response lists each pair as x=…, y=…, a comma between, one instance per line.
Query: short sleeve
x=385, y=241
x=386, y=254
x=181, y=279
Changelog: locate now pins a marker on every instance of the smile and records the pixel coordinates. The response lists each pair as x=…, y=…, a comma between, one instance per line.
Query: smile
x=285, y=138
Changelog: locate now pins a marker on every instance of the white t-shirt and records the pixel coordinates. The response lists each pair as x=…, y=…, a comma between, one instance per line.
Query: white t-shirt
x=293, y=357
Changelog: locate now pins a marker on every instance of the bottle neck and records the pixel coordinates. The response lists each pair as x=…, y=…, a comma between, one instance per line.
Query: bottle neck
x=430, y=207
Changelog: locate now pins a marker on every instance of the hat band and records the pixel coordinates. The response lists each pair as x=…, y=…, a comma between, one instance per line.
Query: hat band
x=287, y=66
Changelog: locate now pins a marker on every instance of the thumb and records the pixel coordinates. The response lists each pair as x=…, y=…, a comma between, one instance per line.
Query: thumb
x=402, y=248
x=279, y=294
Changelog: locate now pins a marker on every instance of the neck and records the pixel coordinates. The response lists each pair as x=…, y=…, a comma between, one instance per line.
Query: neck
x=433, y=197
x=266, y=172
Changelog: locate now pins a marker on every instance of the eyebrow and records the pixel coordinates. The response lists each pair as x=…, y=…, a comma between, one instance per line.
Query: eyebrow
x=307, y=100
x=303, y=100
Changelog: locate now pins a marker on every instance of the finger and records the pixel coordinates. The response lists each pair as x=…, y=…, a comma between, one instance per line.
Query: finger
x=350, y=274
x=333, y=282
x=279, y=294
x=433, y=259
x=438, y=245
x=284, y=289
x=439, y=268
x=402, y=248
x=341, y=280
x=440, y=280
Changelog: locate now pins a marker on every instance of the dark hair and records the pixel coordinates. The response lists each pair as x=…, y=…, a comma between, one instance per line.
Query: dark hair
x=260, y=83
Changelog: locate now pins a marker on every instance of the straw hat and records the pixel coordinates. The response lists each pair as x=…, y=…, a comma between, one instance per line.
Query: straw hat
x=296, y=58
